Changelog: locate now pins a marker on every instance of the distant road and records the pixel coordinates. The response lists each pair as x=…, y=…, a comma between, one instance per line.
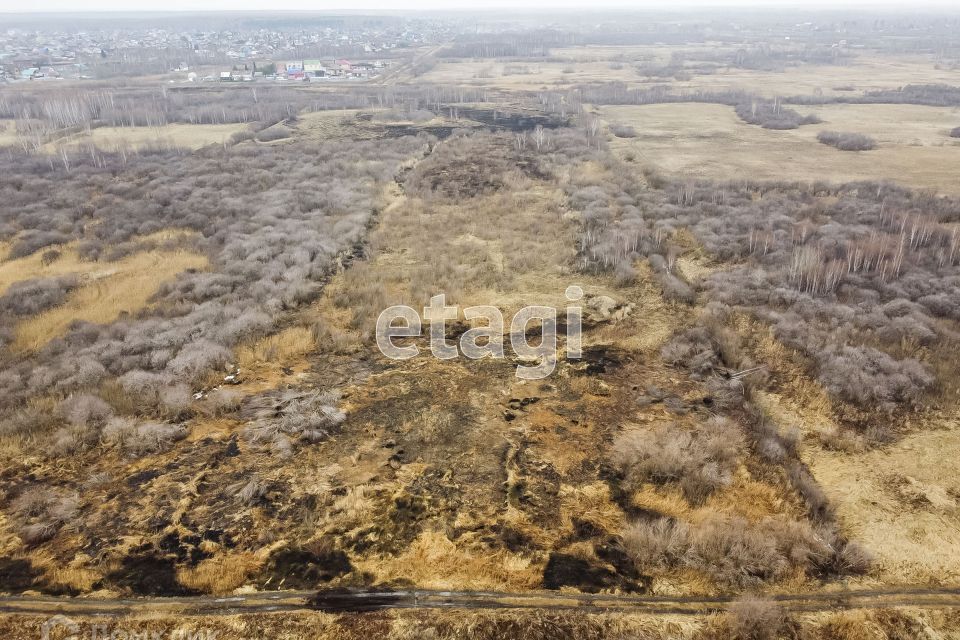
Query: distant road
x=391, y=76
x=375, y=600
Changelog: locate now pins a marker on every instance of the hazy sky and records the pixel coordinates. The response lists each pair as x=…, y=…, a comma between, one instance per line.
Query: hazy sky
x=359, y=5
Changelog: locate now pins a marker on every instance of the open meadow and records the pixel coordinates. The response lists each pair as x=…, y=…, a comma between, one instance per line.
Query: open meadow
x=914, y=147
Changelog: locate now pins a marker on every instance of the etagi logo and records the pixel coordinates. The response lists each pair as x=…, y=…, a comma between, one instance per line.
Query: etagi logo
x=61, y=627
x=484, y=341
x=69, y=626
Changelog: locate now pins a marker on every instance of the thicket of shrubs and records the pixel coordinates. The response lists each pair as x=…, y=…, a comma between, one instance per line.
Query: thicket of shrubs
x=272, y=223
x=854, y=276
x=847, y=141
x=730, y=549
x=699, y=461
x=771, y=114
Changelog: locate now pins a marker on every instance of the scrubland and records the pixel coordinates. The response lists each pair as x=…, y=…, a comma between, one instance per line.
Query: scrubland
x=191, y=400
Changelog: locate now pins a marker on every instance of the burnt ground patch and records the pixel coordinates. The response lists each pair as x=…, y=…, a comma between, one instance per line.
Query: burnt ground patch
x=17, y=574
x=304, y=567
x=565, y=570
x=148, y=575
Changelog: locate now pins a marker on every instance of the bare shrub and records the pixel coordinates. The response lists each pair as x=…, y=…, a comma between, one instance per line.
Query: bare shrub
x=733, y=552
x=222, y=400
x=771, y=114
x=871, y=378
x=176, y=399
x=809, y=489
x=276, y=132
x=674, y=288
x=42, y=511
x=693, y=349
x=30, y=297
x=730, y=549
x=623, y=131
x=142, y=439
x=754, y=618
x=86, y=410
x=278, y=420
x=955, y=133
x=699, y=460
x=724, y=393
x=658, y=544
x=847, y=141
x=198, y=357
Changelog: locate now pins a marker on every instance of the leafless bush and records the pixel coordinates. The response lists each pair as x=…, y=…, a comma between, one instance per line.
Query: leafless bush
x=222, y=400
x=955, y=133
x=278, y=420
x=674, y=288
x=662, y=543
x=847, y=141
x=871, y=378
x=730, y=549
x=143, y=438
x=42, y=511
x=699, y=460
x=176, y=399
x=623, y=131
x=276, y=132
x=30, y=297
x=724, y=393
x=808, y=488
x=754, y=618
x=86, y=410
x=693, y=349
x=771, y=114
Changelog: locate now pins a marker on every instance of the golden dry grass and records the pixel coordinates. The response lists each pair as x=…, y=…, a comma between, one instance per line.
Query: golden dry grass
x=433, y=561
x=220, y=574
x=174, y=136
x=710, y=141
x=108, y=289
x=590, y=503
x=288, y=344
x=69, y=261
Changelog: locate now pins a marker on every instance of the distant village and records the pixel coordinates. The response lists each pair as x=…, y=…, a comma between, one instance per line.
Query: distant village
x=342, y=50
x=302, y=70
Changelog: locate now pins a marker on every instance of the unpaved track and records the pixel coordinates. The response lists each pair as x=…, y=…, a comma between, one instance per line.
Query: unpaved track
x=371, y=600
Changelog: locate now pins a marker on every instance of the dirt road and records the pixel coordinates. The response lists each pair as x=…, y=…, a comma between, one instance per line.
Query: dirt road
x=373, y=600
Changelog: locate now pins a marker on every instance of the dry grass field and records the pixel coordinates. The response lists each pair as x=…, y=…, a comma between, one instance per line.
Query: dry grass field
x=115, y=288
x=170, y=136
x=864, y=71
x=902, y=500
x=710, y=141
x=522, y=74
x=108, y=288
